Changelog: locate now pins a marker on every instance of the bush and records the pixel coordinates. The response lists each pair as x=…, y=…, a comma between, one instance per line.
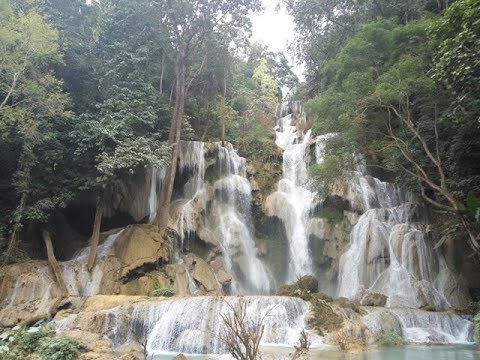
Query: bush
x=390, y=338
x=57, y=348
x=29, y=341
x=167, y=292
x=476, y=327
x=302, y=288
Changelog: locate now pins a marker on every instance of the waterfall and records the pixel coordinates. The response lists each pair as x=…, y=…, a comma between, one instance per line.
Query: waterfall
x=293, y=201
x=230, y=221
x=158, y=175
x=81, y=282
x=194, y=325
x=391, y=250
x=418, y=326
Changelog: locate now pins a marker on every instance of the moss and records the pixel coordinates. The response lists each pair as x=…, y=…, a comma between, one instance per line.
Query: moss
x=324, y=318
x=389, y=338
x=303, y=288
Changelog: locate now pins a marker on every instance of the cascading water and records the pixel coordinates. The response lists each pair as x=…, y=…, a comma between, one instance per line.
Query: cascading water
x=419, y=326
x=389, y=253
x=195, y=326
x=230, y=221
x=81, y=282
x=390, y=250
x=292, y=201
x=158, y=175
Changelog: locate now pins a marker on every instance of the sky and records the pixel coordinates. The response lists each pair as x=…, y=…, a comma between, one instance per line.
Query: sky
x=276, y=29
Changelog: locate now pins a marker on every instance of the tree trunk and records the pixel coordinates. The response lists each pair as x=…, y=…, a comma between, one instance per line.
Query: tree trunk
x=95, y=234
x=162, y=216
x=224, y=105
x=54, y=263
x=18, y=221
x=161, y=74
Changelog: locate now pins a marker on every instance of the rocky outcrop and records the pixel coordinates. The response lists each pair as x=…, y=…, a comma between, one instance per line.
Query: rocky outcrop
x=204, y=276
x=130, y=197
x=27, y=291
x=140, y=246
x=373, y=299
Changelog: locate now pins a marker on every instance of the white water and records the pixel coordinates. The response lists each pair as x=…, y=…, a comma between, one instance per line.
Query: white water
x=230, y=221
x=293, y=201
x=158, y=175
x=418, y=326
x=194, y=325
x=81, y=282
x=390, y=251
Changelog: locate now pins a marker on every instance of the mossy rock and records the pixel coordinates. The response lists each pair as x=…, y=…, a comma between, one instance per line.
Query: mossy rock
x=323, y=318
x=349, y=304
x=303, y=288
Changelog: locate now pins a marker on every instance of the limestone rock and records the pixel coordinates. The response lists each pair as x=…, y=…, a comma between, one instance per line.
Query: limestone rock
x=92, y=342
x=105, y=302
x=203, y=274
x=140, y=245
x=27, y=291
x=382, y=320
x=130, y=196
x=223, y=277
x=373, y=299
x=180, y=357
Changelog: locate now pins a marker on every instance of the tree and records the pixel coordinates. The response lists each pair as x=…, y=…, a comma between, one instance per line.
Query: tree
x=189, y=24
x=120, y=134
x=31, y=95
x=242, y=335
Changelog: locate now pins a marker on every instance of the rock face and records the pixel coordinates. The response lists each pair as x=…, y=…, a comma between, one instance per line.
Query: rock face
x=27, y=291
x=140, y=246
x=373, y=299
x=204, y=276
x=130, y=197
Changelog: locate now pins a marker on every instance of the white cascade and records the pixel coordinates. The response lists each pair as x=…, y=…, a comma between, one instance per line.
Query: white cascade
x=419, y=326
x=230, y=221
x=194, y=325
x=391, y=251
x=81, y=282
x=191, y=163
x=293, y=201
x=158, y=175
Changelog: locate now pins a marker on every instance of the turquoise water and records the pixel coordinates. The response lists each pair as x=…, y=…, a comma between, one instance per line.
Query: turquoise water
x=413, y=352
x=409, y=352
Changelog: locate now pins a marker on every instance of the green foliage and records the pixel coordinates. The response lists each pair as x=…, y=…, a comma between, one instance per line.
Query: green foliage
x=389, y=338
x=29, y=341
x=304, y=288
x=58, y=348
x=166, y=292
x=476, y=327
x=132, y=154
x=18, y=343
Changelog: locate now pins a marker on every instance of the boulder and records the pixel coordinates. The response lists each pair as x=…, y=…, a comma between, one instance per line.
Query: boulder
x=180, y=357
x=373, y=299
x=140, y=246
x=204, y=276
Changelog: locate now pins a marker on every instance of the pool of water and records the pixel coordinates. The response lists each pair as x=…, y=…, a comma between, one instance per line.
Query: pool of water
x=408, y=352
